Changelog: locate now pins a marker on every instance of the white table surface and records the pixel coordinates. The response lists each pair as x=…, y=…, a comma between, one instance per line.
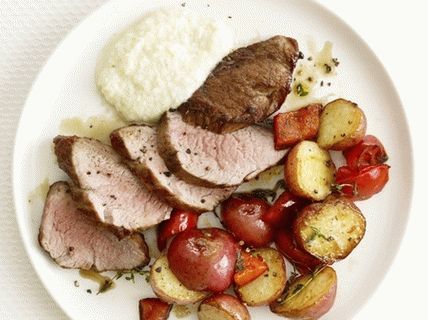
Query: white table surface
x=396, y=31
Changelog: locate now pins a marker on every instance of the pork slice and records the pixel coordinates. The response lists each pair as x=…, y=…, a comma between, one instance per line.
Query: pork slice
x=76, y=240
x=246, y=87
x=209, y=159
x=104, y=185
x=139, y=145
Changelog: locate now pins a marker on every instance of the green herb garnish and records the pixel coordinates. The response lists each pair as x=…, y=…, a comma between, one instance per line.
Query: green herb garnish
x=301, y=90
x=108, y=284
x=317, y=233
x=130, y=274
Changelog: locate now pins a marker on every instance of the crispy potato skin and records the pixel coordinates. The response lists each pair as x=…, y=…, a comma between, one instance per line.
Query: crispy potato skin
x=295, y=126
x=309, y=171
x=342, y=125
x=268, y=286
x=317, y=229
x=313, y=300
x=168, y=288
x=224, y=306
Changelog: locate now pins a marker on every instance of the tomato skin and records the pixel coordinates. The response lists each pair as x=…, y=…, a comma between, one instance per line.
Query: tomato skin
x=179, y=221
x=362, y=184
x=278, y=215
x=252, y=267
x=282, y=215
x=285, y=243
x=368, y=152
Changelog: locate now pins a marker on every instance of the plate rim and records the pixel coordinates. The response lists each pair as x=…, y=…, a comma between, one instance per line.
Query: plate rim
x=61, y=45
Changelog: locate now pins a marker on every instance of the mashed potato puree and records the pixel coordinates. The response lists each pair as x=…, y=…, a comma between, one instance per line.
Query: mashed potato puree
x=159, y=62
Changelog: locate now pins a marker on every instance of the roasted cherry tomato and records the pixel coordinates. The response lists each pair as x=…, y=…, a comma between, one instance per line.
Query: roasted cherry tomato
x=284, y=239
x=283, y=207
x=368, y=152
x=362, y=184
x=179, y=221
x=286, y=244
x=154, y=309
x=248, y=268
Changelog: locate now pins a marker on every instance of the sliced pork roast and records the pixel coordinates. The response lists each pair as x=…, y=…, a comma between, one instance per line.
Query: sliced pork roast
x=139, y=145
x=246, y=87
x=209, y=159
x=75, y=239
x=106, y=186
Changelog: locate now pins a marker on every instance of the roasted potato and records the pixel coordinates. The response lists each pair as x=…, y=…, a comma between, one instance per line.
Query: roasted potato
x=167, y=287
x=154, y=309
x=222, y=306
x=204, y=259
x=269, y=286
x=342, y=125
x=308, y=297
x=242, y=215
x=309, y=171
x=329, y=230
x=294, y=126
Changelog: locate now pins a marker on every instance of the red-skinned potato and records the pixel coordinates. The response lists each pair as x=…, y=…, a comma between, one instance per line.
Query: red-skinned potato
x=329, y=230
x=167, y=287
x=154, y=309
x=308, y=297
x=203, y=259
x=222, y=306
x=309, y=171
x=342, y=125
x=242, y=215
x=267, y=287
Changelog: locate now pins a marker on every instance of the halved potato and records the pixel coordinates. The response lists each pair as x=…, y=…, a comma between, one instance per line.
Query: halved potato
x=309, y=171
x=268, y=286
x=330, y=230
x=309, y=296
x=342, y=125
x=222, y=306
x=167, y=287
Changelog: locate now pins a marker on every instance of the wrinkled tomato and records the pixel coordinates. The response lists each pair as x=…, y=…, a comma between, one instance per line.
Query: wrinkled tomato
x=368, y=152
x=179, y=221
x=362, y=184
x=284, y=212
x=282, y=209
x=285, y=243
x=248, y=268
x=282, y=215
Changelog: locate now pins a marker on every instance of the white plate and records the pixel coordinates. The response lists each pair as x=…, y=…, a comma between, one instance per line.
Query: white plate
x=66, y=88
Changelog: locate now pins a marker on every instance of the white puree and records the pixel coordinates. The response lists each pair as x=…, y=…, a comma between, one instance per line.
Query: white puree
x=159, y=62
